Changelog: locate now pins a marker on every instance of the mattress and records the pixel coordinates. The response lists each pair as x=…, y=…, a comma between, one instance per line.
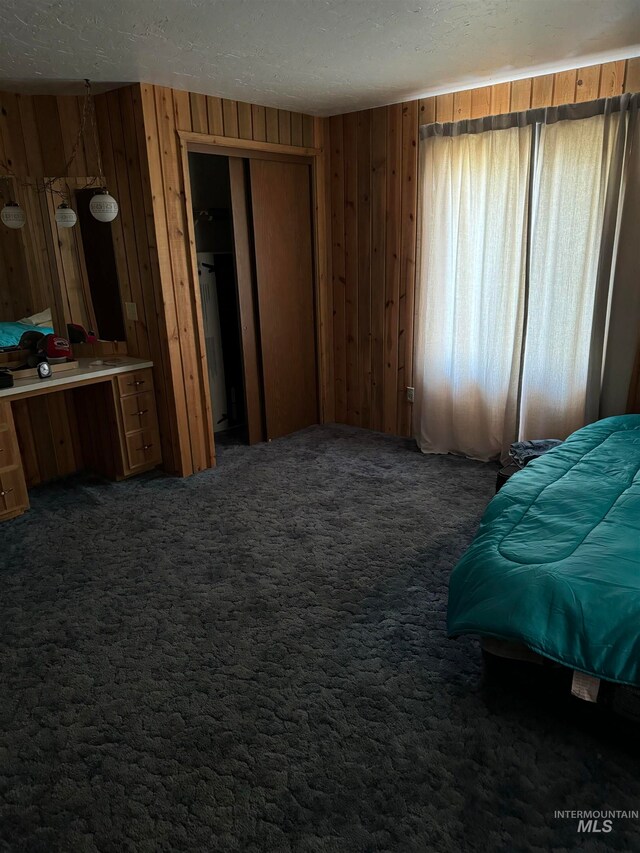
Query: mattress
x=555, y=564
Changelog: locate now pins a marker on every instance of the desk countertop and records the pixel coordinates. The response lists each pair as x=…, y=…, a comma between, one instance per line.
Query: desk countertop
x=89, y=370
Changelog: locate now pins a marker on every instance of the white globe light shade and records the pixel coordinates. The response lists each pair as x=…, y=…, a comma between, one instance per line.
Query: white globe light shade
x=103, y=207
x=65, y=216
x=12, y=215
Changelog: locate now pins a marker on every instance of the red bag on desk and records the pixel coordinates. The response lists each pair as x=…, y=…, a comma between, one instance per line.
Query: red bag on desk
x=79, y=335
x=54, y=348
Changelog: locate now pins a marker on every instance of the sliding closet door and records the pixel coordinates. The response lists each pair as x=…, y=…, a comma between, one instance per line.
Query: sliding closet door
x=246, y=300
x=281, y=200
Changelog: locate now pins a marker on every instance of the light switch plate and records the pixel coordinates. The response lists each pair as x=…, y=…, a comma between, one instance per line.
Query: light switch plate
x=410, y=393
x=131, y=310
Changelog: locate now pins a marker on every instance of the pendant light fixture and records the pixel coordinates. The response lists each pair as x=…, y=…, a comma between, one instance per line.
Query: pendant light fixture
x=12, y=215
x=103, y=205
x=65, y=216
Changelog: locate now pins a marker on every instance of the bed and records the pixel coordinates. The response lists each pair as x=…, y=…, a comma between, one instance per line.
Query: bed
x=12, y=331
x=555, y=564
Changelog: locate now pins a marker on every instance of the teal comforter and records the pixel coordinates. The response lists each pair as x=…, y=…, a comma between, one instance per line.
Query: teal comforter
x=10, y=333
x=555, y=563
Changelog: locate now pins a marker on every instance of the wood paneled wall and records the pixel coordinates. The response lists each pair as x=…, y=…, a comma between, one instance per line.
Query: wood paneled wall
x=123, y=140
x=565, y=87
x=373, y=210
x=221, y=117
x=26, y=283
x=37, y=135
x=47, y=428
x=43, y=266
x=373, y=168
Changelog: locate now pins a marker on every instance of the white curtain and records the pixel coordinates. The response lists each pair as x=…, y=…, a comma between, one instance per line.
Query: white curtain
x=469, y=312
x=621, y=349
x=512, y=274
x=571, y=177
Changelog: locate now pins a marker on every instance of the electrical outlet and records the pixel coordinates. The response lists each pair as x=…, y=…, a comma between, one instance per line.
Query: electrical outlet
x=131, y=310
x=410, y=393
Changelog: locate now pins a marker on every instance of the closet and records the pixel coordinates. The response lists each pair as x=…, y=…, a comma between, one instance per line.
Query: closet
x=253, y=241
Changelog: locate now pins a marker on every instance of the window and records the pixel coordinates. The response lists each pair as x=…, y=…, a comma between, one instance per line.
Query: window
x=517, y=225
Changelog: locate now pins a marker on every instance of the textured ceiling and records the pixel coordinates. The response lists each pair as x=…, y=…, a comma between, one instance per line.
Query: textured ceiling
x=320, y=56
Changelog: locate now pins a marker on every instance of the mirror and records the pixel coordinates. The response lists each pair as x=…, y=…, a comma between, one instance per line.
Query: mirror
x=71, y=271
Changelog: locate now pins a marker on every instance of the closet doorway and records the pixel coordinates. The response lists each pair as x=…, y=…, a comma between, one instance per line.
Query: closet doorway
x=253, y=233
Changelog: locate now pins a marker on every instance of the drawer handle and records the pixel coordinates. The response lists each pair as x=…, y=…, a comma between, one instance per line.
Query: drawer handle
x=142, y=412
x=136, y=382
x=6, y=492
x=145, y=447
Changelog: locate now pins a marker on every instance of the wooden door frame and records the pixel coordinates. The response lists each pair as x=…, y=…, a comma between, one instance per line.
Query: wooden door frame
x=203, y=143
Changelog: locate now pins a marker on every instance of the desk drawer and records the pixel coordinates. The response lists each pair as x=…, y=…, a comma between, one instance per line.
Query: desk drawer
x=13, y=492
x=138, y=422
x=135, y=382
x=143, y=448
x=138, y=412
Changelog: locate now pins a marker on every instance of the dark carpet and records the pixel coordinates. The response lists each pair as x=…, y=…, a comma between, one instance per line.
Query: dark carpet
x=254, y=659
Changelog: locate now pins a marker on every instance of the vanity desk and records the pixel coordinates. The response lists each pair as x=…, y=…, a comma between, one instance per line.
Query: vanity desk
x=113, y=431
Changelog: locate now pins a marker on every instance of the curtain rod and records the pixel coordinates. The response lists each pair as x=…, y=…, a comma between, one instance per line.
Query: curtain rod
x=537, y=115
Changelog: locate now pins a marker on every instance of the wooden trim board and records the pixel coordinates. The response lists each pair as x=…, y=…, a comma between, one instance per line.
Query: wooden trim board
x=193, y=140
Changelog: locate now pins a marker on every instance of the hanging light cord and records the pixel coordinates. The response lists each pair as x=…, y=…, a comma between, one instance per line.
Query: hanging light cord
x=50, y=184
x=94, y=130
